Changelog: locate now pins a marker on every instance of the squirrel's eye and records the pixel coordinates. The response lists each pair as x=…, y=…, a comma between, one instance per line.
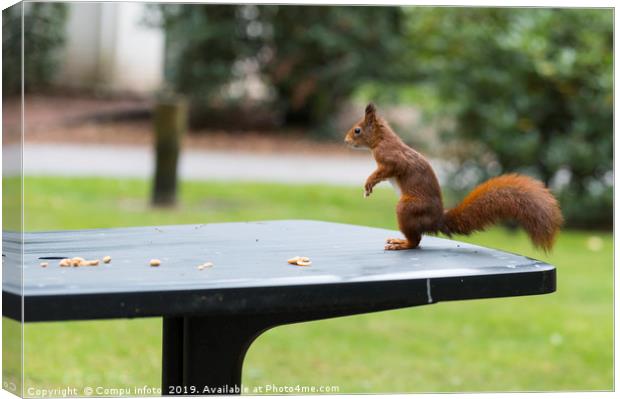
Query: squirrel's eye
x=358, y=130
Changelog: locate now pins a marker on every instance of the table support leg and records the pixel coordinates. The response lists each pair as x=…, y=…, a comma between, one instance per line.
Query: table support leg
x=213, y=349
x=204, y=354
x=172, y=354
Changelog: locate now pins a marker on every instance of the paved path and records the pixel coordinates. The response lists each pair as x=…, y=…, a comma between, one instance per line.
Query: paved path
x=112, y=161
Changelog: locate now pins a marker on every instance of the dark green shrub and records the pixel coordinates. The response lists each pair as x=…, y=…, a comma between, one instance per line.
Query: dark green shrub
x=534, y=87
x=322, y=54
x=203, y=42
x=43, y=37
x=312, y=58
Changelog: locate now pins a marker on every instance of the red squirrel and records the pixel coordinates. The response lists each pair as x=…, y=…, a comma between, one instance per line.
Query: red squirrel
x=420, y=207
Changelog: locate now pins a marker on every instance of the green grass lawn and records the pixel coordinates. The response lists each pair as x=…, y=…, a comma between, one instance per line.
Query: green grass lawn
x=561, y=341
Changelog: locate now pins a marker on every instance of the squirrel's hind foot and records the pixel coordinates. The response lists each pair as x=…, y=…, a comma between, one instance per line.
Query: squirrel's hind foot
x=396, y=244
x=396, y=241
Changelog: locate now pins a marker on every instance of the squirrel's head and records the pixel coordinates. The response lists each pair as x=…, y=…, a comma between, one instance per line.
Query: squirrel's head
x=366, y=132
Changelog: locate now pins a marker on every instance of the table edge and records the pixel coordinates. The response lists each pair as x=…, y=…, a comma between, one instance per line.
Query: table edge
x=360, y=297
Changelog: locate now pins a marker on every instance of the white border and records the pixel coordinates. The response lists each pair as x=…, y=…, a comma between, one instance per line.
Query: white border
x=478, y=3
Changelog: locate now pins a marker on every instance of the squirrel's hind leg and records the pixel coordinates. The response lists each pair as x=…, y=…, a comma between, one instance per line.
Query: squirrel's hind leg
x=409, y=215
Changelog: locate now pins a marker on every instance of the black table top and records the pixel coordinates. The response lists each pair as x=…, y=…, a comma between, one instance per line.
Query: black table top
x=350, y=270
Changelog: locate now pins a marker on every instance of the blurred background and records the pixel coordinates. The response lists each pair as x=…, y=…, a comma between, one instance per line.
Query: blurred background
x=142, y=114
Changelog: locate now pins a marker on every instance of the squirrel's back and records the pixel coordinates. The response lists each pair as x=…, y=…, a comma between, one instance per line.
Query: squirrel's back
x=414, y=174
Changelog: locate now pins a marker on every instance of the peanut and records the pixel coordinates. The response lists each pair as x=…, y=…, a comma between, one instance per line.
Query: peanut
x=205, y=265
x=43, y=264
x=107, y=259
x=300, y=261
x=155, y=262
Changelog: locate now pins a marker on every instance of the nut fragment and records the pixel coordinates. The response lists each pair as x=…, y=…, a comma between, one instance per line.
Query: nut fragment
x=90, y=263
x=205, y=265
x=43, y=264
x=300, y=261
x=107, y=259
x=155, y=262
x=75, y=262
x=303, y=263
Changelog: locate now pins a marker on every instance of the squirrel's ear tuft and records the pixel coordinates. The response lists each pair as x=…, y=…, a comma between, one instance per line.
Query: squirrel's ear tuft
x=370, y=112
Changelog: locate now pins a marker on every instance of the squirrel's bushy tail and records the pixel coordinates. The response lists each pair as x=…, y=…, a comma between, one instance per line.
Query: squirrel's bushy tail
x=506, y=197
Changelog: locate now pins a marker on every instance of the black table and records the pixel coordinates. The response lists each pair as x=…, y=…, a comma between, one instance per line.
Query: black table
x=211, y=316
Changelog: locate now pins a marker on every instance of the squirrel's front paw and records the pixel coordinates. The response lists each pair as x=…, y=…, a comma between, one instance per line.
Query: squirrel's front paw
x=367, y=190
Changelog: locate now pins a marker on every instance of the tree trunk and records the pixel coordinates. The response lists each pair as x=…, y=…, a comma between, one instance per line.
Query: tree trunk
x=170, y=120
